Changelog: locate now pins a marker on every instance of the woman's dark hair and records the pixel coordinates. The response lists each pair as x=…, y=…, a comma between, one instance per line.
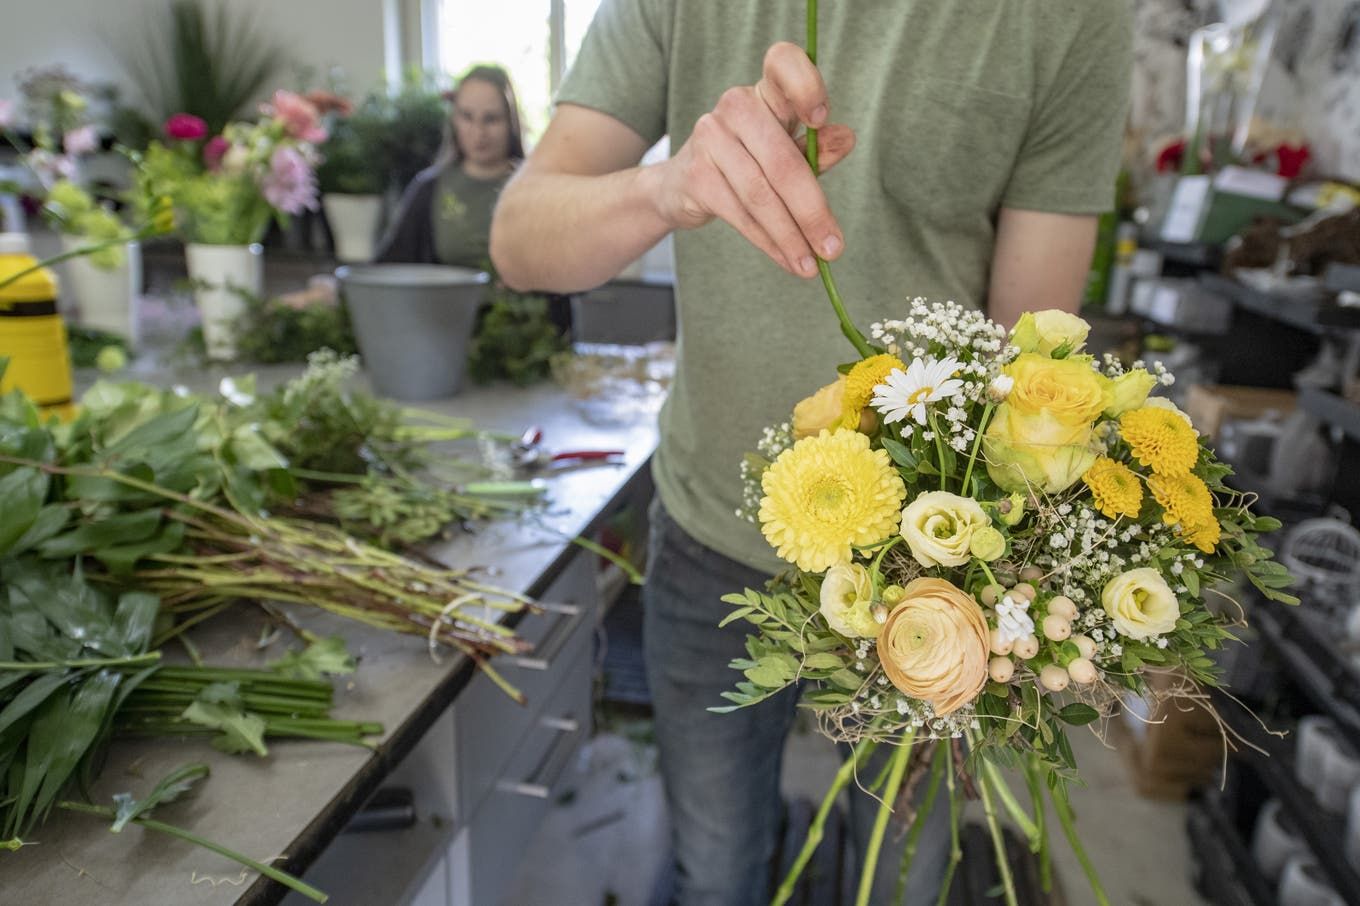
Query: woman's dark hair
x=499, y=79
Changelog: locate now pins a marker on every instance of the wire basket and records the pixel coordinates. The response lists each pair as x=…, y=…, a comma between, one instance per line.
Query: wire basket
x=1324, y=556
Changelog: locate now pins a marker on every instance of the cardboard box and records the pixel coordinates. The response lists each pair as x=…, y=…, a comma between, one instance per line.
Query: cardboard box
x=1210, y=405
x=1170, y=749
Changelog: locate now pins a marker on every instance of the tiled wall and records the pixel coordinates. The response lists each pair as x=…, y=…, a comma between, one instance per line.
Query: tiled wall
x=1313, y=85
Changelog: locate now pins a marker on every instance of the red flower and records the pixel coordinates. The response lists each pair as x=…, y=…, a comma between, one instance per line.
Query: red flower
x=1171, y=156
x=214, y=151
x=1292, y=160
x=185, y=127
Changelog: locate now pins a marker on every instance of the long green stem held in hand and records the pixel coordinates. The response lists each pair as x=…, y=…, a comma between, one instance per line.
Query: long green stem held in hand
x=885, y=808
x=818, y=826
x=937, y=769
x=828, y=283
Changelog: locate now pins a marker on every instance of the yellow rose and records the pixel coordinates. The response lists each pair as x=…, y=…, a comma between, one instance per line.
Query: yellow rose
x=847, y=601
x=822, y=410
x=1041, y=436
x=1140, y=603
x=1048, y=331
x=934, y=645
x=1130, y=390
x=939, y=527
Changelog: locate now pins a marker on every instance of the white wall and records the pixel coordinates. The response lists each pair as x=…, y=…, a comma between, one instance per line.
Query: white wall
x=81, y=34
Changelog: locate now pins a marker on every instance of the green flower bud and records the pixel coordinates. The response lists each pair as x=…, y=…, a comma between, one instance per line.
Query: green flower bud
x=987, y=544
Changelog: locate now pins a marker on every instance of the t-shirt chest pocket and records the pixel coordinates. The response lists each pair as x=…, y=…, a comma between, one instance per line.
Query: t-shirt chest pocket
x=950, y=150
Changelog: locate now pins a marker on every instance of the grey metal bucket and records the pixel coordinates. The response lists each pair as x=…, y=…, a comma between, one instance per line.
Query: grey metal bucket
x=413, y=324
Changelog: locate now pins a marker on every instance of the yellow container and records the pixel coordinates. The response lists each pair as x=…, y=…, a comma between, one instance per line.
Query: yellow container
x=32, y=334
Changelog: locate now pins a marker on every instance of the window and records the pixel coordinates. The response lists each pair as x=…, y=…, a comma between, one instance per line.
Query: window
x=535, y=40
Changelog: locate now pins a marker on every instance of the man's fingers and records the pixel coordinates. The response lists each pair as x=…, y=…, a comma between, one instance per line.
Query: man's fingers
x=834, y=143
x=793, y=87
x=727, y=207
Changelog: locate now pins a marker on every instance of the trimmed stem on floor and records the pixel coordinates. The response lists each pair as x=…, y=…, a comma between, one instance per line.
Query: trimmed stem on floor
x=885, y=809
x=818, y=826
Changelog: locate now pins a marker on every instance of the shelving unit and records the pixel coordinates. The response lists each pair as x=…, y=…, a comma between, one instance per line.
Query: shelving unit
x=1315, y=314
x=1228, y=875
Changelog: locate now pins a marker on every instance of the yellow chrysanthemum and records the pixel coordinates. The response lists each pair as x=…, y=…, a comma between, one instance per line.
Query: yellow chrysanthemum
x=860, y=384
x=1160, y=439
x=1189, y=504
x=1115, y=488
x=827, y=493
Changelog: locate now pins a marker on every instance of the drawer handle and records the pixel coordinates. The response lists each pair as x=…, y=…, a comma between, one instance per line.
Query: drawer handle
x=546, y=651
x=390, y=808
x=549, y=770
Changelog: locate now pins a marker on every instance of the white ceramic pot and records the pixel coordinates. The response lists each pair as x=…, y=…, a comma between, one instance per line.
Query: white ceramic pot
x=106, y=299
x=221, y=273
x=354, y=221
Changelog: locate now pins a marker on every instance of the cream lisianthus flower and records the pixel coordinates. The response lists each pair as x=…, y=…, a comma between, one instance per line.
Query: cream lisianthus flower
x=934, y=645
x=939, y=526
x=847, y=601
x=1140, y=603
x=1048, y=331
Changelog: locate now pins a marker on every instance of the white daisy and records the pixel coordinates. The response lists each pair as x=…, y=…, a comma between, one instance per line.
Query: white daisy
x=907, y=393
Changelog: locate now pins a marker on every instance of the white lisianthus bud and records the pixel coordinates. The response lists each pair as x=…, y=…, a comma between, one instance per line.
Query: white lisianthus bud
x=1082, y=671
x=1000, y=387
x=1054, y=678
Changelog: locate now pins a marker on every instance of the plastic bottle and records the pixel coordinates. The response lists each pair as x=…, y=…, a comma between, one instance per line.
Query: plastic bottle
x=32, y=334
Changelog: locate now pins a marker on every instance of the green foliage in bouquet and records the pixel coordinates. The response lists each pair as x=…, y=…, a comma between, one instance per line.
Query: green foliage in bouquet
x=516, y=338
x=202, y=59
x=213, y=208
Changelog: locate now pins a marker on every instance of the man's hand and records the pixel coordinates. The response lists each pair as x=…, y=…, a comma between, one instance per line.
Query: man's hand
x=742, y=165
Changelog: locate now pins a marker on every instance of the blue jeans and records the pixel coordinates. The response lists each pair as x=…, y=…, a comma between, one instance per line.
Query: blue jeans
x=721, y=771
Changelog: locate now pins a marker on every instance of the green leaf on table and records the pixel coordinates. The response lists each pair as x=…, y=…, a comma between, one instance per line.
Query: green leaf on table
x=51, y=519
x=155, y=433
x=219, y=707
x=117, y=529
x=173, y=785
x=134, y=619
x=22, y=493
x=249, y=449
x=33, y=695
x=121, y=558
x=322, y=657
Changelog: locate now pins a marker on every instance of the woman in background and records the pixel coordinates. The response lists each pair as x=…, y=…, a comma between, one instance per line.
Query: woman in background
x=445, y=213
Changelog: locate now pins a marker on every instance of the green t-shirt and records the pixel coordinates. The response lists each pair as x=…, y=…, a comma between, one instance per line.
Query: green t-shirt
x=461, y=212
x=960, y=107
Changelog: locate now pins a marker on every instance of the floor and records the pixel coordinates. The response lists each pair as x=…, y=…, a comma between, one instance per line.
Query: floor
x=605, y=843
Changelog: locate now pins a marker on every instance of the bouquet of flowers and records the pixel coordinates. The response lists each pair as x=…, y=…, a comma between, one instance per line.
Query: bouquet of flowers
x=225, y=188
x=993, y=537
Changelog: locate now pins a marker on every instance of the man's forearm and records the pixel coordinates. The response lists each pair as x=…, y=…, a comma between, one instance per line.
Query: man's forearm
x=560, y=232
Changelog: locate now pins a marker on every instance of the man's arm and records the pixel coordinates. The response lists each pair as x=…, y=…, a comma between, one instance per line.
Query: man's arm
x=580, y=209
x=1041, y=260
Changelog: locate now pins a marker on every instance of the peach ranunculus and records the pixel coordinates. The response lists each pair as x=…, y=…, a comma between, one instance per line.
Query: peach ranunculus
x=934, y=645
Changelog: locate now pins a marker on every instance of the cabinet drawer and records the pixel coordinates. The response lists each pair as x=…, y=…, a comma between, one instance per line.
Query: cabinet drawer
x=487, y=725
x=484, y=861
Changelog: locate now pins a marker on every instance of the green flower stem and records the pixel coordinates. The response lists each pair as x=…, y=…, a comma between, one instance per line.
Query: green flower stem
x=818, y=826
x=937, y=765
x=991, y=579
x=828, y=283
x=939, y=451
x=1064, y=812
x=955, y=849
x=885, y=809
x=1034, y=781
x=268, y=871
x=139, y=660
x=977, y=442
x=1012, y=806
x=1003, y=865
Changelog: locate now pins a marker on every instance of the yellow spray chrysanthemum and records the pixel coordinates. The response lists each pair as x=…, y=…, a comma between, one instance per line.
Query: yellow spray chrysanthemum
x=827, y=493
x=1160, y=439
x=1189, y=504
x=1115, y=488
x=860, y=384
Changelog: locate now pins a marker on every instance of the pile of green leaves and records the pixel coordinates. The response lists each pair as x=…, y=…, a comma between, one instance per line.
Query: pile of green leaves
x=270, y=331
x=516, y=339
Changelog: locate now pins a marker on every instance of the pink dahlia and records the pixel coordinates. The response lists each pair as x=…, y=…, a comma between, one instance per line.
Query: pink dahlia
x=185, y=127
x=299, y=116
x=290, y=184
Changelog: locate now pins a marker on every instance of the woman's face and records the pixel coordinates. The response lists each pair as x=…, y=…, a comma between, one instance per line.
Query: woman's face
x=480, y=120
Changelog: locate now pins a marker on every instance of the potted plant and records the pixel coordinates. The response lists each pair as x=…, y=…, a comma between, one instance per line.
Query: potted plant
x=353, y=174
x=102, y=286
x=224, y=189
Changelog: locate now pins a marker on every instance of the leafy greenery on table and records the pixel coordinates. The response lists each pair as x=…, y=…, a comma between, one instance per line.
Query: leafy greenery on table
x=515, y=339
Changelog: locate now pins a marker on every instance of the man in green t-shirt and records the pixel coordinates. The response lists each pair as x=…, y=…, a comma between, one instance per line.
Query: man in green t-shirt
x=985, y=141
